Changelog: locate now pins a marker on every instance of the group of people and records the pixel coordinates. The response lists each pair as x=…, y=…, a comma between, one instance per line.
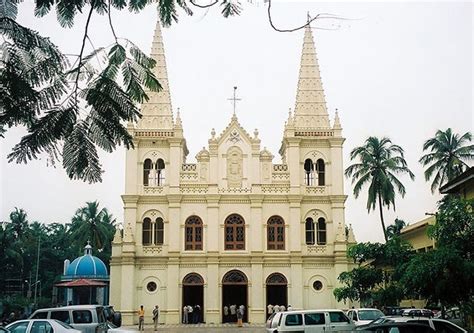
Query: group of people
x=277, y=308
x=234, y=313
x=192, y=314
x=141, y=317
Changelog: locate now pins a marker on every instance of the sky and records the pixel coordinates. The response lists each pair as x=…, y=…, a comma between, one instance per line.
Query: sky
x=396, y=69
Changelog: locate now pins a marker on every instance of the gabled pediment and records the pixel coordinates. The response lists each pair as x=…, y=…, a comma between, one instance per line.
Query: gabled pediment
x=234, y=133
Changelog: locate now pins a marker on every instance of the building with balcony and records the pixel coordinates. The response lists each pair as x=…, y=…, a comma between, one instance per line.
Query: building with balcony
x=233, y=228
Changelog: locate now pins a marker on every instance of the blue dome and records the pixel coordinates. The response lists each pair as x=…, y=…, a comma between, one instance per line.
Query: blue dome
x=87, y=266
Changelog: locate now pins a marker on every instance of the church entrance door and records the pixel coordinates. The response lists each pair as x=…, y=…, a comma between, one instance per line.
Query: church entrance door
x=193, y=296
x=277, y=291
x=234, y=295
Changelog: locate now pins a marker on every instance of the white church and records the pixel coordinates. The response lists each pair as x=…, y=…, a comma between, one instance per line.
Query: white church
x=232, y=228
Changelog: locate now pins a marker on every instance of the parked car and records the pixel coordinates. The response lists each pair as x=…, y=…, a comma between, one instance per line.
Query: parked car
x=40, y=326
x=394, y=310
x=453, y=315
x=309, y=321
x=392, y=327
x=418, y=313
x=364, y=316
x=86, y=318
x=439, y=325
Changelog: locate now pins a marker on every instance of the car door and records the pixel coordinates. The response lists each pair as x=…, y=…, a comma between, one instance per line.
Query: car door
x=19, y=327
x=41, y=326
x=338, y=321
x=314, y=322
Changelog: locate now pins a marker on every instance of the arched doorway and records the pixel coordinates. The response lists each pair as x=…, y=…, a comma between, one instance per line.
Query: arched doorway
x=193, y=295
x=277, y=290
x=234, y=293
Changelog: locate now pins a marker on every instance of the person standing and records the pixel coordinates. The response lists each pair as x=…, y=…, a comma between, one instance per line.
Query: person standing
x=233, y=313
x=156, y=314
x=185, y=314
x=282, y=308
x=239, y=317
x=141, y=318
x=226, y=313
x=276, y=308
x=290, y=308
x=269, y=310
x=190, y=314
x=242, y=309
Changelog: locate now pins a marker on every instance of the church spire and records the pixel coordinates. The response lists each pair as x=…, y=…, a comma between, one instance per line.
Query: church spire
x=157, y=111
x=310, y=106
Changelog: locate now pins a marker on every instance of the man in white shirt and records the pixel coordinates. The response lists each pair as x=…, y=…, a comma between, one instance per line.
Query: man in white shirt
x=276, y=308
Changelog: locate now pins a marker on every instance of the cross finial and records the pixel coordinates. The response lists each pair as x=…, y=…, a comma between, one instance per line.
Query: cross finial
x=308, y=17
x=234, y=99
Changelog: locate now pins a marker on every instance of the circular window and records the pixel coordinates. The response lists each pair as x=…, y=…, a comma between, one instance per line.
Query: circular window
x=317, y=285
x=151, y=286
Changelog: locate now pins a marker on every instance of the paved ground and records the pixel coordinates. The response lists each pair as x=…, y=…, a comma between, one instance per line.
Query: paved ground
x=201, y=328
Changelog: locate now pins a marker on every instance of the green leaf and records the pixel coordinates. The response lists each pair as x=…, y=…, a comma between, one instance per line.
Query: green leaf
x=9, y=8
x=80, y=157
x=117, y=54
x=231, y=8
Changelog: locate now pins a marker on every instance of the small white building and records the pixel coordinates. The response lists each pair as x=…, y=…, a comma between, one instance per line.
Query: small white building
x=233, y=228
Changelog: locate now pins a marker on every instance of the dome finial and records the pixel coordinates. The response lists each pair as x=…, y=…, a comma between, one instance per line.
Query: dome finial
x=88, y=248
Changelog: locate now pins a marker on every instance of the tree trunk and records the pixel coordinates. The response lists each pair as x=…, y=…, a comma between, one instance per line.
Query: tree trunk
x=381, y=218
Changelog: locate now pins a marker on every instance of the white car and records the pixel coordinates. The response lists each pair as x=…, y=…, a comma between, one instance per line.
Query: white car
x=40, y=326
x=364, y=316
x=439, y=325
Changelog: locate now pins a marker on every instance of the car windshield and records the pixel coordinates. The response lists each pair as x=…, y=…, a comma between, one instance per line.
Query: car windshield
x=370, y=314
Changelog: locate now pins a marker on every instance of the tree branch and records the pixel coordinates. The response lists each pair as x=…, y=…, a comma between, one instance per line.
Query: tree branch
x=111, y=25
x=82, y=52
x=203, y=6
x=319, y=16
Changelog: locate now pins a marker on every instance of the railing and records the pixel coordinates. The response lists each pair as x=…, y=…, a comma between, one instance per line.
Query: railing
x=188, y=167
x=280, y=167
x=314, y=133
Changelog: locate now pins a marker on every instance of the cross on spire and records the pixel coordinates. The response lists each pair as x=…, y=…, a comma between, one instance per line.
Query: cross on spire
x=234, y=99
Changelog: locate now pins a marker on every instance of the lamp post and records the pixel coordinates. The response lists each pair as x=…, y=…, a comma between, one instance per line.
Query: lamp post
x=36, y=288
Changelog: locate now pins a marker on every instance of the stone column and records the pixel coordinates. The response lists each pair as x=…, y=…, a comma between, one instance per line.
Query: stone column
x=173, y=291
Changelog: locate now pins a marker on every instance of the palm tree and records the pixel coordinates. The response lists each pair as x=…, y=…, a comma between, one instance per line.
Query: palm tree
x=447, y=157
x=19, y=220
x=380, y=162
x=394, y=229
x=91, y=224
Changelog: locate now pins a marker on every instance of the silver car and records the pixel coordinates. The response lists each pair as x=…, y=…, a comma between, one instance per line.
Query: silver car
x=40, y=326
x=309, y=321
x=86, y=318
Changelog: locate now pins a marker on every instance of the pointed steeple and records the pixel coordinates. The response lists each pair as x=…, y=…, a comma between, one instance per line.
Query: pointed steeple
x=310, y=106
x=157, y=111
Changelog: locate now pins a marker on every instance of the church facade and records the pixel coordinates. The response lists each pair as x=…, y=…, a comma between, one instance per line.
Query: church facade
x=233, y=228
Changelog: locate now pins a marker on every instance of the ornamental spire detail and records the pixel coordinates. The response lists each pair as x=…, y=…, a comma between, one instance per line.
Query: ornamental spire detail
x=157, y=111
x=310, y=107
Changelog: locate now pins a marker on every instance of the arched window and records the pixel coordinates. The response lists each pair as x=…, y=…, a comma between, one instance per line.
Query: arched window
x=234, y=232
x=309, y=228
x=160, y=172
x=147, y=169
x=159, y=231
x=275, y=233
x=320, y=169
x=147, y=231
x=193, y=233
x=308, y=172
x=321, y=231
